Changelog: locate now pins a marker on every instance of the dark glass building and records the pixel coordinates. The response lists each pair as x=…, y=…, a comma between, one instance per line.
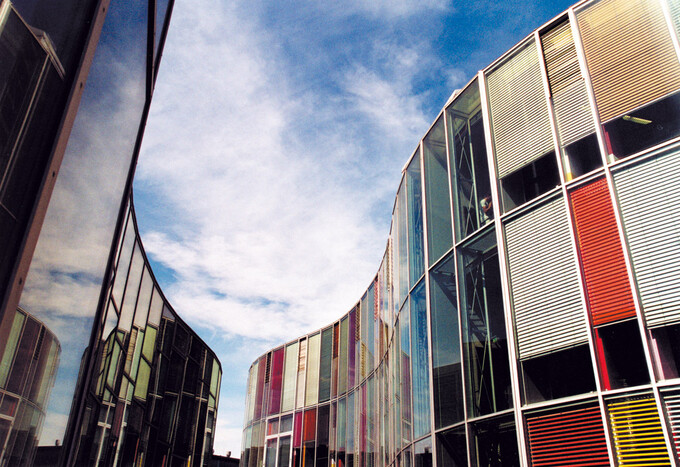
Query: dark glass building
x=76, y=82
x=527, y=309
x=153, y=398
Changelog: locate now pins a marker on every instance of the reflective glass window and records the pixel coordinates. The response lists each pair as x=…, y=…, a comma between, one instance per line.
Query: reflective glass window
x=422, y=453
x=446, y=358
x=325, y=364
x=401, y=261
x=284, y=451
x=274, y=403
x=469, y=165
x=485, y=344
x=301, y=370
x=405, y=367
x=494, y=442
x=289, y=375
x=438, y=201
x=351, y=349
x=416, y=257
x=342, y=369
x=452, y=447
x=419, y=362
x=312, y=382
x=322, y=436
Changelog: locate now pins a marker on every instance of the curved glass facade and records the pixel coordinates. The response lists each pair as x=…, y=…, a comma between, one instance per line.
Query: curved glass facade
x=27, y=372
x=155, y=392
x=526, y=311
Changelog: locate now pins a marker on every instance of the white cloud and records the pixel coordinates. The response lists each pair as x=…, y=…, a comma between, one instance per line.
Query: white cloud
x=271, y=189
x=456, y=78
x=396, y=8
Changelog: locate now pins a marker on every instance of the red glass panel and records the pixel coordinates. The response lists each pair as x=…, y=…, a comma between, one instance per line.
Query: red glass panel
x=274, y=405
x=297, y=430
x=259, y=389
x=606, y=281
x=310, y=425
x=351, y=360
x=569, y=438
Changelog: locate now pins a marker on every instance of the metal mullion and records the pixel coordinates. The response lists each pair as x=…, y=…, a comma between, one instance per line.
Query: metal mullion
x=428, y=312
x=638, y=310
x=504, y=275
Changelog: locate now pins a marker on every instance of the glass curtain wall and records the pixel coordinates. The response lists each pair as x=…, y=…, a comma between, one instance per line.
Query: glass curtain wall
x=469, y=166
x=438, y=206
x=484, y=338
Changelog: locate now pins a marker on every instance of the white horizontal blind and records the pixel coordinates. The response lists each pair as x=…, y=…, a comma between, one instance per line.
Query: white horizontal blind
x=570, y=98
x=649, y=198
x=674, y=8
x=672, y=402
x=629, y=53
x=519, y=112
x=549, y=314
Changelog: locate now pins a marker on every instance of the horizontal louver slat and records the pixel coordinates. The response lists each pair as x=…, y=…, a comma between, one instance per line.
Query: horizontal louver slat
x=627, y=72
x=570, y=98
x=573, y=114
x=637, y=432
x=570, y=438
x=544, y=281
x=672, y=402
x=649, y=198
x=606, y=279
x=519, y=112
x=674, y=9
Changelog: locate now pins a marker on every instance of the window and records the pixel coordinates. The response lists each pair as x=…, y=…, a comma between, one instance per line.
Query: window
x=643, y=128
x=558, y=374
x=620, y=355
x=485, y=344
x=581, y=157
x=446, y=361
x=438, y=207
x=529, y=182
x=469, y=166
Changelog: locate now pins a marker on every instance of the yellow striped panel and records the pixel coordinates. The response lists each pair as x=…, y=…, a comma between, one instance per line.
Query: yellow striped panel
x=637, y=432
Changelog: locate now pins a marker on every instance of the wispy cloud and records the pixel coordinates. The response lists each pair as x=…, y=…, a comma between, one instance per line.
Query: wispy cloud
x=272, y=156
x=259, y=191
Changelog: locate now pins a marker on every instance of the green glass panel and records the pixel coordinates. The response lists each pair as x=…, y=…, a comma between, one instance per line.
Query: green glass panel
x=438, y=205
x=289, y=373
x=142, y=382
x=10, y=348
x=149, y=342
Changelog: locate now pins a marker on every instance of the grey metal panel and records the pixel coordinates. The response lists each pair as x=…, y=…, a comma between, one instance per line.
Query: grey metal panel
x=561, y=61
x=549, y=314
x=649, y=198
x=674, y=9
x=570, y=97
x=573, y=113
x=672, y=403
x=519, y=112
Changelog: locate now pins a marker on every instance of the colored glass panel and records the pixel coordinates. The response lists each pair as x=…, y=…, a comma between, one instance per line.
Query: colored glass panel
x=608, y=290
x=274, y=404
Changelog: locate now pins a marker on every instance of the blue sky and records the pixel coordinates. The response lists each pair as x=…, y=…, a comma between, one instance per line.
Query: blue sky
x=274, y=150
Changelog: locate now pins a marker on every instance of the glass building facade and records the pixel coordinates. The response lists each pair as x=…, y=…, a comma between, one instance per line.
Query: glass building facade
x=154, y=395
x=527, y=308
x=80, y=311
